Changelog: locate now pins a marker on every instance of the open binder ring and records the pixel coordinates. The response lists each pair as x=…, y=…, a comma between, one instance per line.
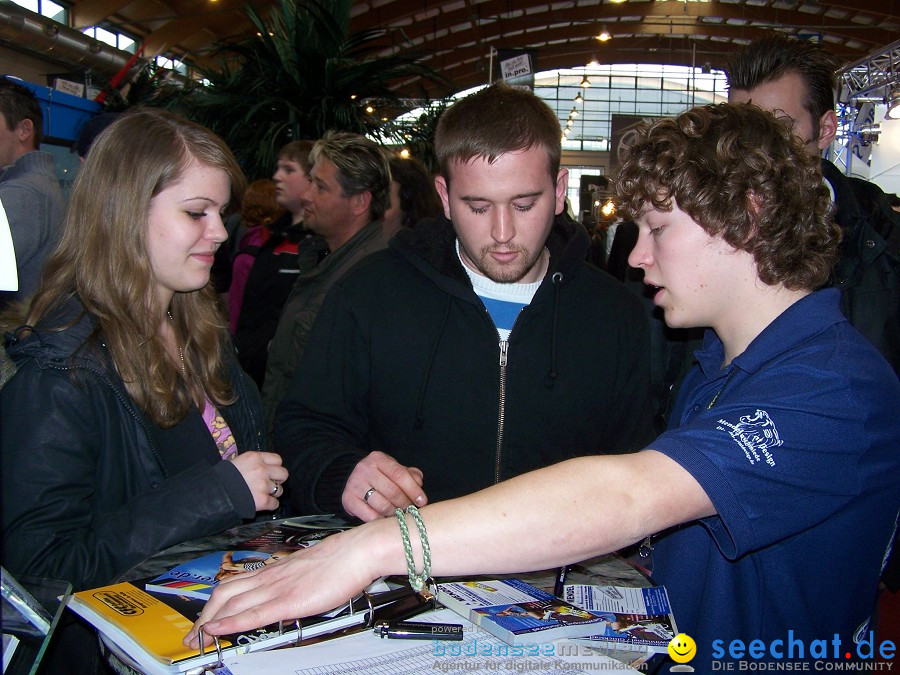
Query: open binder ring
x=371, y=620
x=299, y=626
x=219, y=656
x=220, y=659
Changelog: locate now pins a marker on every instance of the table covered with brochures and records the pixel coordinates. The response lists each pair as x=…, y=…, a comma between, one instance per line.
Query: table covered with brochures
x=608, y=570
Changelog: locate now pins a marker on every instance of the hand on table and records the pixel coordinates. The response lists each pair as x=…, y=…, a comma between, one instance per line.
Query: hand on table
x=307, y=582
x=263, y=474
x=396, y=487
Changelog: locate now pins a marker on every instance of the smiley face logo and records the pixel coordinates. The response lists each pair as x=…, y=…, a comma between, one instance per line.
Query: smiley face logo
x=682, y=648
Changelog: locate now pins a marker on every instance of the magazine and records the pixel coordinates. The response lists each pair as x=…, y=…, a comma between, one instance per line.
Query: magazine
x=198, y=577
x=144, y=621
x=294, y=534
x=518, y=613
x=639, y=618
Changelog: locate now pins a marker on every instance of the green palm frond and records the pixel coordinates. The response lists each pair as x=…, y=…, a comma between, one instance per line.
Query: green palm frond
x=300, y=74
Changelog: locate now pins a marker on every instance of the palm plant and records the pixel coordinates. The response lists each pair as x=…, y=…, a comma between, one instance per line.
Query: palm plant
x=301, y=74
x=417, y=135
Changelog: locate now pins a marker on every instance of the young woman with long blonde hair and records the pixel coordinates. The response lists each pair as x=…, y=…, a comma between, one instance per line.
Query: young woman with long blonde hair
x=128, y=426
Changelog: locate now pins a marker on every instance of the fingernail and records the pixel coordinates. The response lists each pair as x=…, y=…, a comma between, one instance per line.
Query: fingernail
x=420, y=500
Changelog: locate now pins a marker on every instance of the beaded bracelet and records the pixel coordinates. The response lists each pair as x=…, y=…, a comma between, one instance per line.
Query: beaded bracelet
x=417, y=581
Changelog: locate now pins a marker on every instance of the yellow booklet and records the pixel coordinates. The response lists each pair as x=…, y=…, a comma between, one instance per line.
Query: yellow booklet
x=154, y=626
x=144, y=629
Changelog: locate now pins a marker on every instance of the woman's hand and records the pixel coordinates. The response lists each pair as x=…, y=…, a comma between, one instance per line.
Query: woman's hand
x=310, y=581
x=263, y=474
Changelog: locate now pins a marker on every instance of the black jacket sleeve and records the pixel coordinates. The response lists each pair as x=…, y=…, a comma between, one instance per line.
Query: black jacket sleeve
x=322, y=425
x=631, y=419
x=78, y=503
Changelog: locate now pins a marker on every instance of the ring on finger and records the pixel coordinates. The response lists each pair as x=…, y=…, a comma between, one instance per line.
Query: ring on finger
x=275, y=487
x=369, y=493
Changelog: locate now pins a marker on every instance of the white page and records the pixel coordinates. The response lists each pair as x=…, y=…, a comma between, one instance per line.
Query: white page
x=367, y=653
x=9, y=278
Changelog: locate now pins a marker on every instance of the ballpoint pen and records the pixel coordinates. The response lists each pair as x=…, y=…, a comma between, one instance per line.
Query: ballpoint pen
x=414, y=630
x=559, y=586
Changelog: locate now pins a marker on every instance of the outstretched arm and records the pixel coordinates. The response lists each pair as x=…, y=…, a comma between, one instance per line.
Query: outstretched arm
x=564, y=513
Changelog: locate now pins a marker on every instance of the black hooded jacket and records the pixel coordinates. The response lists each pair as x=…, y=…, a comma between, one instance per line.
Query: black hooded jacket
x=404, y=358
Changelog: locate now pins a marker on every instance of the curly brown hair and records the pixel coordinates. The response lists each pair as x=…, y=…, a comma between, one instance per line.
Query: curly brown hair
x=259, y=206
x=742, y=175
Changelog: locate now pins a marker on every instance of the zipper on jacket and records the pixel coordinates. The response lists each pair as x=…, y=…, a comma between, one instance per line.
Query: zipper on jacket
x=501, y=412
x=501, y=416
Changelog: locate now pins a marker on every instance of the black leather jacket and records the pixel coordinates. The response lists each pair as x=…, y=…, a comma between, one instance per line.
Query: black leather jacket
x=868, y=272
x=86, y=494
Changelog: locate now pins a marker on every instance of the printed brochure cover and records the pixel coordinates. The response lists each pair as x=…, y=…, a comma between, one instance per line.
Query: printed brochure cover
x=144, y=622
x=198, y=578
x=637, y=617
x=294, y=535
x=518, y=613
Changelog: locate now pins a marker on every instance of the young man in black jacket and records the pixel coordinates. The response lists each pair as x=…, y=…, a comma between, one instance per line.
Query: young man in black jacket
x=796, y=79
x=477, y=346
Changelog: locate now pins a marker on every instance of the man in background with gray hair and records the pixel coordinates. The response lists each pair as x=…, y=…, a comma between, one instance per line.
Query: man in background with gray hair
x=346, y=199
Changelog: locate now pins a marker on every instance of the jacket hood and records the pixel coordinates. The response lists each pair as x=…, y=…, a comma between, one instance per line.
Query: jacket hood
x=47, y=343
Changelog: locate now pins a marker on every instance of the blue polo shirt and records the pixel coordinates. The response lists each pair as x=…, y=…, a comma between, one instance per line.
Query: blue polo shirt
x=797, y=444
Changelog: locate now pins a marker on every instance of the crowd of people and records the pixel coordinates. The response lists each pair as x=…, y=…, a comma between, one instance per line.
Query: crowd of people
x=388, y=340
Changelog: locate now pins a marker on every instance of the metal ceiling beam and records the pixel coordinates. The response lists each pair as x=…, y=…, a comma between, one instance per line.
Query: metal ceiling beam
x=877, y=72
x=26, y=31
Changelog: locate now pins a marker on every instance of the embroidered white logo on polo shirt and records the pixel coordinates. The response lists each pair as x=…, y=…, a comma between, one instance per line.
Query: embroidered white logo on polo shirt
x=756, y=435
